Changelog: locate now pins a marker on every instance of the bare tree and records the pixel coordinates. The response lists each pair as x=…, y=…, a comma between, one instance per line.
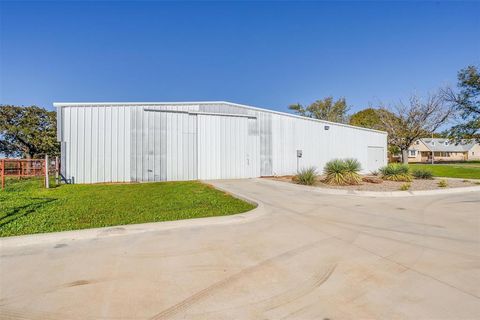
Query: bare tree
x=406, y=123
x=467, y=103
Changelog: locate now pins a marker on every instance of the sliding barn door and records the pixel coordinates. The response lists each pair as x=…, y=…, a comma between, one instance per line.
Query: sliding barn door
x=227, y=149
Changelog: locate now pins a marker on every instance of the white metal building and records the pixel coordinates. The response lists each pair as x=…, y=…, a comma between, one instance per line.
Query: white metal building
x=115, y=142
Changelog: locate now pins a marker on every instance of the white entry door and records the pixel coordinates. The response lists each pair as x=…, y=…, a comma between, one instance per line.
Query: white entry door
x=376, y=158
x=226, y=147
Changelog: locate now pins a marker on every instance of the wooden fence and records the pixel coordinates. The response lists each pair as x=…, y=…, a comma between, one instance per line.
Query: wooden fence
x=21, y=168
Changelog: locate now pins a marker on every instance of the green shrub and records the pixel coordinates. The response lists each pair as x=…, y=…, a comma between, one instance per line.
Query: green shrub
x=335, y=172
x=352, y=167
x=422, y=174
x=374, y=173
x=342, y=172
x=306, y=176
x=405, y=186
x=442, y=183
x=396, y=172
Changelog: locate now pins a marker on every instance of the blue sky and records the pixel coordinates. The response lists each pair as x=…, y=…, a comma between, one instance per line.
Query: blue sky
x=267, y=54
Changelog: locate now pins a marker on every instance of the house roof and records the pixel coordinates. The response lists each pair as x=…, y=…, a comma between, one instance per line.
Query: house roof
x=444, y=145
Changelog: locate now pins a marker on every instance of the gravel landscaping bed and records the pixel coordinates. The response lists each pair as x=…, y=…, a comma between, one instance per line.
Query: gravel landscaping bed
x=390, y=185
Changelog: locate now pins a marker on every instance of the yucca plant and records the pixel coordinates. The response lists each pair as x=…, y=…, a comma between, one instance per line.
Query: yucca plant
x=396, y=172
x=335, y=172
x=352, y=167
x=442, y=183
x=306, y=176
x=422, y=174
x=405, y=186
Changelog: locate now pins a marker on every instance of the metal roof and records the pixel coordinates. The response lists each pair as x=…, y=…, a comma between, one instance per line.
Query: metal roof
x=444, y=145
x=86, y=104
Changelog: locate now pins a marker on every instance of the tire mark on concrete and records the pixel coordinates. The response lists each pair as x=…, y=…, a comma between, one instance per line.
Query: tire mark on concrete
x=350, y=242
x=17, y=314
x=208, y=291
x=291, y=295
x=284, y=297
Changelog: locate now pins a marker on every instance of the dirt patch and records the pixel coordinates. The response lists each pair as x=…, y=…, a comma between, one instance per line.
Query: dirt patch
x=388, y=185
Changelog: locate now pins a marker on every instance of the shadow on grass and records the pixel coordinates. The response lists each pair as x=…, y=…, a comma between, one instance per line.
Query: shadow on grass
x=22, y=211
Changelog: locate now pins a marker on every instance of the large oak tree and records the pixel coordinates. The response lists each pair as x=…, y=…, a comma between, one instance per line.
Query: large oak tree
x=28, y=132
x=367, y=118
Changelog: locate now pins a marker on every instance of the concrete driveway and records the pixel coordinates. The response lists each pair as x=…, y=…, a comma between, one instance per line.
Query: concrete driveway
x=311, y=256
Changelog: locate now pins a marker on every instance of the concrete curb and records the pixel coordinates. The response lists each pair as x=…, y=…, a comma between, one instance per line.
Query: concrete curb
x=122, y=230
x=458, y=179
x=379, y=194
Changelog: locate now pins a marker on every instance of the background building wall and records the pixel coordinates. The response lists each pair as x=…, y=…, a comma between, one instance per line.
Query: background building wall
x=165, y=142
x=96, y=143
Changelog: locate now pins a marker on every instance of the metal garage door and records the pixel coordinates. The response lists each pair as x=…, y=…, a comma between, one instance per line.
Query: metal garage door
x=164, y=146
x=376, y=158
x=228, y=147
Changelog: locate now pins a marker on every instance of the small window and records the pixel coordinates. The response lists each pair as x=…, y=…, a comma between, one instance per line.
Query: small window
x=433, y=143
x=412, y=153
x=417, y=142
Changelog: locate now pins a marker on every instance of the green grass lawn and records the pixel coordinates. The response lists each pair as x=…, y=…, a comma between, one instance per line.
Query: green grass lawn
x=26, y=207
x=468, y=170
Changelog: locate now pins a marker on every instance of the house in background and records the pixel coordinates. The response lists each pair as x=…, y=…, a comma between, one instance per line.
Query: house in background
x=443, y=150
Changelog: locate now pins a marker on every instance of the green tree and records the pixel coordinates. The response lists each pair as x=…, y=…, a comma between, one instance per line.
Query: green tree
x=28, y=132
x=467, y=103
x=325, y=109
x=371, y=118
x=367, y=118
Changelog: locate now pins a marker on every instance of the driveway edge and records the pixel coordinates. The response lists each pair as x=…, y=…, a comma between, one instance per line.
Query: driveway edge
x=129, y=229
x=379, y=194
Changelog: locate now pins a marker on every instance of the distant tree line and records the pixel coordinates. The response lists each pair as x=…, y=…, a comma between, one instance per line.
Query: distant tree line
x=30, y=132
x=418, y=118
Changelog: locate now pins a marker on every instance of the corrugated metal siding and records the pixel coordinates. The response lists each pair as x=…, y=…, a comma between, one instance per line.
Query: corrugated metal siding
x=96, y=144
x=318, y=145
x=227, y=147
x=163, y=145
x=155, y=142
x=263, y=126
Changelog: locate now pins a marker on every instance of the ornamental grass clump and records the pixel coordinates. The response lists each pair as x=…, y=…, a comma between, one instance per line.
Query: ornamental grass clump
x=442, y=183
x=306, y=176
x=422, y=174
x=335, y=172
x=396, y=172
x=352, y=167
x=405, y=186
x=342, y=172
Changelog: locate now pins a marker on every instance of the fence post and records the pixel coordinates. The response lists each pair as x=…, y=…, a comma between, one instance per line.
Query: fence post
x=3, y=174
x=47, y=180
x=57, y=169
